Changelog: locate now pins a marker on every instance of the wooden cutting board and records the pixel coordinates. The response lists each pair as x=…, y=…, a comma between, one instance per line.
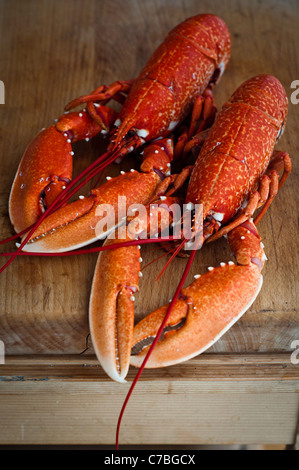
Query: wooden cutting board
x=53, y=51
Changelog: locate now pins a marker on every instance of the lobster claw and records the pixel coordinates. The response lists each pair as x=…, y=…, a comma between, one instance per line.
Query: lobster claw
x=79, y=223
x=45, y=168
x=92, y=218
x=207, y=308
x=115, y=283
x=47, y=165
x=112, y=320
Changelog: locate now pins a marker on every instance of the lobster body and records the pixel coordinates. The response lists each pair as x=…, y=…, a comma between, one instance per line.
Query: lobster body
x=193, y=55
x=237, y=150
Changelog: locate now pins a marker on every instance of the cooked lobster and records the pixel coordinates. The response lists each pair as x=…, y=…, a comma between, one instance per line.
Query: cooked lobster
x=235, y=173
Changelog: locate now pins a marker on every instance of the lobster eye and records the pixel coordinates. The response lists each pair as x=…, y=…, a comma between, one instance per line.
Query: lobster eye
x=131, y=133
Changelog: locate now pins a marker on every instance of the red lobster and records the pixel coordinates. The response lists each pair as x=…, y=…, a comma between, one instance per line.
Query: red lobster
x=182, y=70
x=235, y=173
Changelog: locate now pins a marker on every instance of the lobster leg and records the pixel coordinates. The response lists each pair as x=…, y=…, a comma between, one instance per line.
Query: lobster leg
x=269, y=186
x=279, y=161
x=202, y=117
x=204, y=111
x=207, y=308
x=99, y=97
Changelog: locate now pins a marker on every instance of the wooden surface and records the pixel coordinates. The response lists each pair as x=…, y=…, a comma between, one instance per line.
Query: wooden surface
x=51, y=52
x=239, y=400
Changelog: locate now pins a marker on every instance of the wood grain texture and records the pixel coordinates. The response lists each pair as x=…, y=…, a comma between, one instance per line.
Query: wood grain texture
x=174, y=412
x=55, y=50
x=212, y=367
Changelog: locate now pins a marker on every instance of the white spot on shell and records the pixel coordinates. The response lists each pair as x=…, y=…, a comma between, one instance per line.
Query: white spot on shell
x=142, y=133
x=217, y=216
x=117, y=122
x=197, y=276
x=190, y=206
x=172, y=125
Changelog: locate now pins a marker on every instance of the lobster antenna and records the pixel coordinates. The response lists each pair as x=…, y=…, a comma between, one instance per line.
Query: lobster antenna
x=174, y=254
x=160, y=331
x=16, y=235
x=84, y=251
x=156, y=259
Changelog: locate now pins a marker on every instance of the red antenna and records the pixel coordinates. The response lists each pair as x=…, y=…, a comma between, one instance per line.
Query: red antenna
x=169, y=310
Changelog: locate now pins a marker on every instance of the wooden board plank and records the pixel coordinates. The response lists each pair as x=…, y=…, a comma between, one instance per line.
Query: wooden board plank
x=57, y=412
x=55, y=50
x=217, y=367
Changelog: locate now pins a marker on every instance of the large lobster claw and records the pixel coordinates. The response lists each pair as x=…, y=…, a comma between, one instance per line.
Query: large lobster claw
x=77, y=224
x=207, y=308
x=46, y=167
x=115, y=283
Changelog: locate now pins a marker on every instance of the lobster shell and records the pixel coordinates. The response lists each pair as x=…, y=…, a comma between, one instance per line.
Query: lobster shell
x=193, y=55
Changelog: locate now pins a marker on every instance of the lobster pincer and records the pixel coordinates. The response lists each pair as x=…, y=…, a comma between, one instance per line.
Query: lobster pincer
x=207, y=308
x=115, y=285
